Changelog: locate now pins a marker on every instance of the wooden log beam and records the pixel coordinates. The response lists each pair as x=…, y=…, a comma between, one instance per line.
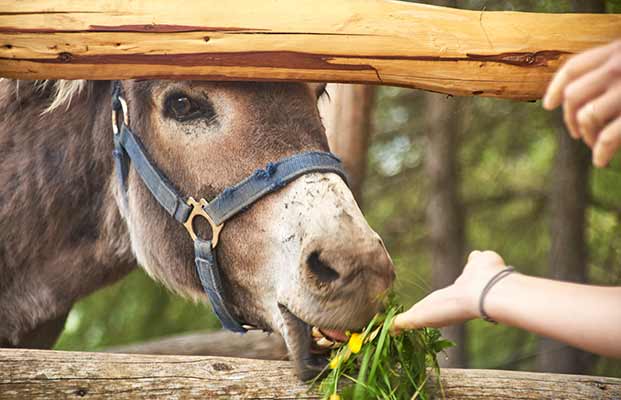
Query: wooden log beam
x=501, y=54
x=45, y=374
x=254, y=344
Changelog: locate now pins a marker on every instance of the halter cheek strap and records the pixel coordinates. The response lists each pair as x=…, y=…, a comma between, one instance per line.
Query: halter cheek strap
x=233, y=200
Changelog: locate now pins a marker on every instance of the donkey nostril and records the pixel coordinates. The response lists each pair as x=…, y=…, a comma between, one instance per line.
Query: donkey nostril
x=321, y=270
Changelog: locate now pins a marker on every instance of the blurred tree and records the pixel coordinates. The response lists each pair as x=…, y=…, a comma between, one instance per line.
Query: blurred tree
x=132, y=310
x=347, y=118
x=568, y=204
x=444, y=211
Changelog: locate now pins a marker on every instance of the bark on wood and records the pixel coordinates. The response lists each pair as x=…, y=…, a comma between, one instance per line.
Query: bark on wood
x=44, y=374
x=255, y=345
x=502, y=54
x=347, y=119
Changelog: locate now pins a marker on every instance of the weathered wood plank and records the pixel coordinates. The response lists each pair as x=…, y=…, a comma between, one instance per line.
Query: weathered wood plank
x=502, y=54
x=254, y=344
x=505, y=385
x=36, y=374
x=44, y=374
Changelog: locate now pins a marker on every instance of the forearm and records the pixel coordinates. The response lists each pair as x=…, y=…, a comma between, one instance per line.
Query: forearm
x=588, y=317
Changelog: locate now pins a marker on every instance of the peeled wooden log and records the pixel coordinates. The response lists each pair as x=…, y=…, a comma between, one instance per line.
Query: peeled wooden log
x=501, y=54
x=256, y=345
x=44, y=374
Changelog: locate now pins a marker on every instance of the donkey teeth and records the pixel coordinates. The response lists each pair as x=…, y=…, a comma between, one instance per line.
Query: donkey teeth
x=324, y=343
x=316, y=333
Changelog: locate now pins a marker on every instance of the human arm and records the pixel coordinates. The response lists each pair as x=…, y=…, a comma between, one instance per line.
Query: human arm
x=588, y=317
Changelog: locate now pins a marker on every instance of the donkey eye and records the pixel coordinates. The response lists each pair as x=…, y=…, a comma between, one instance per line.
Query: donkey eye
x=182, y=108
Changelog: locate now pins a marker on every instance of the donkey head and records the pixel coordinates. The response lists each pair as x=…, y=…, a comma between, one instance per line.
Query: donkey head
x=300, y=257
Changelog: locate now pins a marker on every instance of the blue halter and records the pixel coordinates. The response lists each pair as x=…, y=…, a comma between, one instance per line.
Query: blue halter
x=233, y=200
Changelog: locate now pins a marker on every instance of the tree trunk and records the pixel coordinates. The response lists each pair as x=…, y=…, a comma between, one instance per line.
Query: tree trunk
x=568, y=205
x=348, y=125
x=463, y=52
x=568, y=253
x=444, y=213
x=45, y=374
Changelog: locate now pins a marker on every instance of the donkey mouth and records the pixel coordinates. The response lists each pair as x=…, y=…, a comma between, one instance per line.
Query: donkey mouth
x=309, y=346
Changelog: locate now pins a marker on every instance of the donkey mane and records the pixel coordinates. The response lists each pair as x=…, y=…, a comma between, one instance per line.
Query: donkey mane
x=62, y=91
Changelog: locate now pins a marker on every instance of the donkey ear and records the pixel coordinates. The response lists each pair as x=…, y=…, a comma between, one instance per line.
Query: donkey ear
x=320, y=90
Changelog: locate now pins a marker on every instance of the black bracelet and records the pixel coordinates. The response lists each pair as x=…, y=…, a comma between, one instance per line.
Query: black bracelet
x=495, y=279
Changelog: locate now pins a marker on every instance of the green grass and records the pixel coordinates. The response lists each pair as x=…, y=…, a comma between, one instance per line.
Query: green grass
x=386, y=366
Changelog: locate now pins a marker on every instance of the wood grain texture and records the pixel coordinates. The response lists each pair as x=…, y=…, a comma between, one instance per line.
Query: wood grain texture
x=506, y=385
x=501, y=54
x=254, y=344
x=45, y=374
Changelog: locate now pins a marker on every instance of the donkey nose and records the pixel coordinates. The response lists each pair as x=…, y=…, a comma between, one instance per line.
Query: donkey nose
x=322, y=271
x=365, y=265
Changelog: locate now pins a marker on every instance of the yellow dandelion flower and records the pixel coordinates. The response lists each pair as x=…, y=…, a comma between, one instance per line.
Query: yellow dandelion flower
x=335, y=396
x=355, y=342
x=335, y=361
x=340, y=358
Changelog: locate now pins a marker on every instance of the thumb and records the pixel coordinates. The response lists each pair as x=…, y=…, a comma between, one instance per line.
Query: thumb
x=441, y=308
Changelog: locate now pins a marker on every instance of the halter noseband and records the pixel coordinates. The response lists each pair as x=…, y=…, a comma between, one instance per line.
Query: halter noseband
x=230, y=202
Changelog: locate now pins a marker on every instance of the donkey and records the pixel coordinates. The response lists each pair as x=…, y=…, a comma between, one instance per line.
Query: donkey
x=300, y=257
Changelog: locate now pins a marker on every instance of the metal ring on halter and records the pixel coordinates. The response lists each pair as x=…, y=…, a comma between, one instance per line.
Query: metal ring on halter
x=199, y=211
x=115, y=126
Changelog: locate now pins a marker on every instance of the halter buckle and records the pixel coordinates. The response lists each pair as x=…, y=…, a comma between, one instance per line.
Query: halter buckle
x=115, y=125
x=199, y=211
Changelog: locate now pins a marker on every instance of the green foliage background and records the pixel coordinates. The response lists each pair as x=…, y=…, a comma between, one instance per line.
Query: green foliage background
x=506, y=152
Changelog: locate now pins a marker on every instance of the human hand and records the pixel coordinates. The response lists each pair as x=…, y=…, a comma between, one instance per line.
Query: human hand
x=589, y=87
x=455, y=303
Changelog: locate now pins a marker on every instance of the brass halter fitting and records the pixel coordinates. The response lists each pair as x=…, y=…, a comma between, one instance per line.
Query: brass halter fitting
x=115, y=126
x=199, y=211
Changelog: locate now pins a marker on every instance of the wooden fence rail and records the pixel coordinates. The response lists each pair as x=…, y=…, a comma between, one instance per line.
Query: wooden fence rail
x=222, y=343
x=501, y=54
x=45, y=374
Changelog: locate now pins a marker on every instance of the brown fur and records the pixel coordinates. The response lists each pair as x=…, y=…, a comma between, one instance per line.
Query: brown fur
x=63, y=233
x=57, y=218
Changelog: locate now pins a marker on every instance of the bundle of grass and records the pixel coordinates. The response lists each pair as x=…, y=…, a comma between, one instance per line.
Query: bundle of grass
x=374, y=364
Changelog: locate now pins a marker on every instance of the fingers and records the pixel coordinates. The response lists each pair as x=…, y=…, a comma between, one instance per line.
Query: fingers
x=578, y=93
x=569, y=117
x=406, y=321
x=473, y=255
x=441, y=308
x=594, y=116
x=487, y=256
x=573, y=69
x=456, y=303
x=607, y=143
x=590, y=86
